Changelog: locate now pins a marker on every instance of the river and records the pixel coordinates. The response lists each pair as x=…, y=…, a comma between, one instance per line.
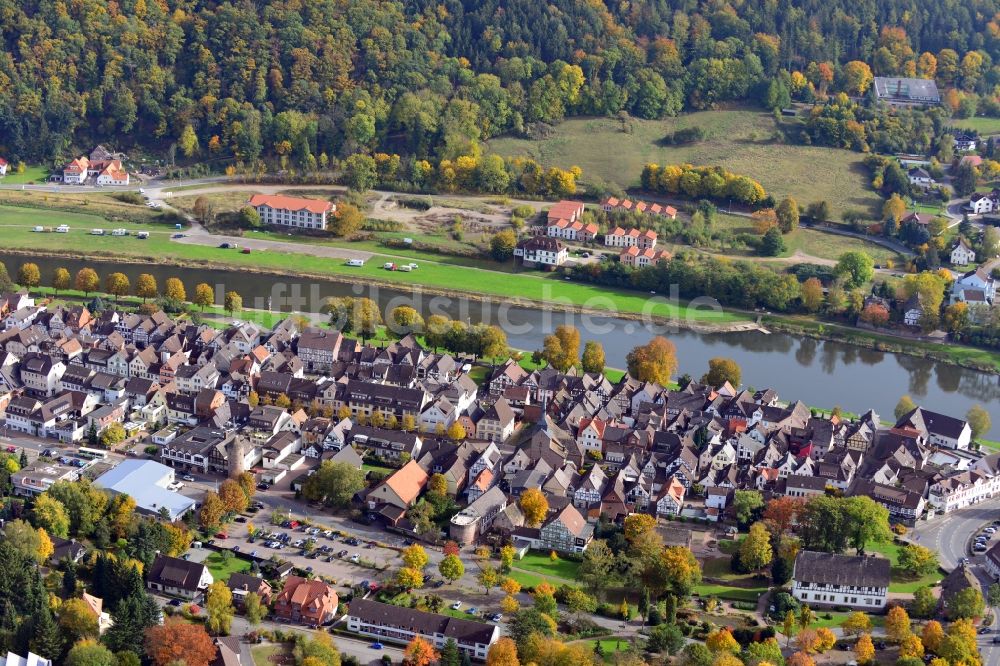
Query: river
x=820, y=373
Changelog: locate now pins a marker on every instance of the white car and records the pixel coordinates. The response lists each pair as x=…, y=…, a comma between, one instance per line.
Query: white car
x=456, y=605
x=355, y=558
x=188, y=478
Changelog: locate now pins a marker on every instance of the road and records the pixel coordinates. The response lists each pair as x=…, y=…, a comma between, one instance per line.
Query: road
x=949, y=536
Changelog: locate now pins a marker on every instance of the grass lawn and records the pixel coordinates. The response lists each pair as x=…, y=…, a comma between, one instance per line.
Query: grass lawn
x=609, y=646
x=739, y=140
x=527, y=285
x=990, y=444
x=899, y=581
x=479, y=374
x=836, y=619
x=529, y=579
x=810, y=241
x=221, y=569
x=377, y=468
x=750, y=594
x=540, y=563
x=271, y=653
x=45, y=208
x=31, y=174
x=979, y=124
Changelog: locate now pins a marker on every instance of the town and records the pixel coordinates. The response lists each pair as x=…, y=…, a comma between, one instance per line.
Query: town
x=289, y=469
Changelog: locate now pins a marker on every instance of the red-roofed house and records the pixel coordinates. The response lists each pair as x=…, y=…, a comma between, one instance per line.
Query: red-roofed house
x=613, y=203
x=307, y=601
x=292, y=211
x=401, y=489
x=75, y=173
x=639, y=258
x=565, y=210
x=671, y=498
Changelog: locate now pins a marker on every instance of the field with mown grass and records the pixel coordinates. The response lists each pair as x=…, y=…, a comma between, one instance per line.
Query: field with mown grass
x=979, y=124
x=810, y=241
x=222, y=568
x=899, y=581
x=743, y=141
x=47, y=209
x=31, y=174
x=528, y=285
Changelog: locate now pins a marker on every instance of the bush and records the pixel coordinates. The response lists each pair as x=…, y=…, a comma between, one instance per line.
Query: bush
x=686, y=135
x=129, y=198
x=152, y=450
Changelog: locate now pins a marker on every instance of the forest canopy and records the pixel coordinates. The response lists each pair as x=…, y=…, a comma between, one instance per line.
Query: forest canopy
x=328, y=78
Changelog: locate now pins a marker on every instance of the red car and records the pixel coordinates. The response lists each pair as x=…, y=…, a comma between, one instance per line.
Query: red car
x=221, y=535
x=293, y=524
x=11, y=449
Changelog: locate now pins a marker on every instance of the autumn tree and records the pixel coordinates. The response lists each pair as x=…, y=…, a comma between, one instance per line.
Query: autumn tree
x=787, y=213
x=177, y=640
x=755, y=549
x=409, y=578
x=932, y=636
x=722, y=640
x=864, y=649
x=50, y=514
x=451, y=568
x=146, y=287
x=204, y=296
x=593, y=357
x=174, y=289
x=897, y=624
x=855, y=267
x=812, y=294
x=654, y=362
x=502, y=244
x=904, y=406
x=534, y=506
x=856, y=623
x=86, y=280
x=562, y=347
x=916, y=560
x=764, y=220
x=232, y=302
x=979, y=421
x=77, y=620
x=503, y=653
x=894, y=208
x=60, y=280
x=28, y=275
x=347, y=220
x=212, y=510
x=722, y=370
x=219, y=604
x=234, y=500
x=419, y=652
x=415, y=556
x=117, y=285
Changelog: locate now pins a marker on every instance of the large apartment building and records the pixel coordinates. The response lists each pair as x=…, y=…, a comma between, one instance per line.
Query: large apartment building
x=292, y=211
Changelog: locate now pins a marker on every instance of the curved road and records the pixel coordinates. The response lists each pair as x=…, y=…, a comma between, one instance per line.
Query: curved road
x=949, y=536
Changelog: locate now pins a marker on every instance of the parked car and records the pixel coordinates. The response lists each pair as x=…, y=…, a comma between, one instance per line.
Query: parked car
x=355, y=558
x=342, y=554
x=376, y=646
x=496, y=617
x=456, y=605
x=188, y=478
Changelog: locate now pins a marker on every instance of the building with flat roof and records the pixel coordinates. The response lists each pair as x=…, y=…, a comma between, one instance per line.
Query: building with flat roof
x=146, y=482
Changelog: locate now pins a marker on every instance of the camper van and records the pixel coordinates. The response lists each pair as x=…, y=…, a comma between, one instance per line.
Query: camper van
x=355, y=262
x=97, y=232
x=119, y=232
x=62, y=229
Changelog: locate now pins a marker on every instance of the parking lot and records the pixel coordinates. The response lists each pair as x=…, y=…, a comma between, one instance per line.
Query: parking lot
x=319, y=550
x=984, y=538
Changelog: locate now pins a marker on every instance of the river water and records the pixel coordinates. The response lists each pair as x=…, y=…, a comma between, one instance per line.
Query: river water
x=820, y=373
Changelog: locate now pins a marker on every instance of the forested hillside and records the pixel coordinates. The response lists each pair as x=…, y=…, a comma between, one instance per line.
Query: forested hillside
x=312, y=78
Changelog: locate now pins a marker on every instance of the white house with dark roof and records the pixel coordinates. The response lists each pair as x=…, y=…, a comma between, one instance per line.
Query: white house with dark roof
x=962, y=254
x=827, y=579
x=940, y=430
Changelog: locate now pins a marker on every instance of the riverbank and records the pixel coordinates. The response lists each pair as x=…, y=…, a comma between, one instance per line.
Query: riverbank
x=972, y=358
